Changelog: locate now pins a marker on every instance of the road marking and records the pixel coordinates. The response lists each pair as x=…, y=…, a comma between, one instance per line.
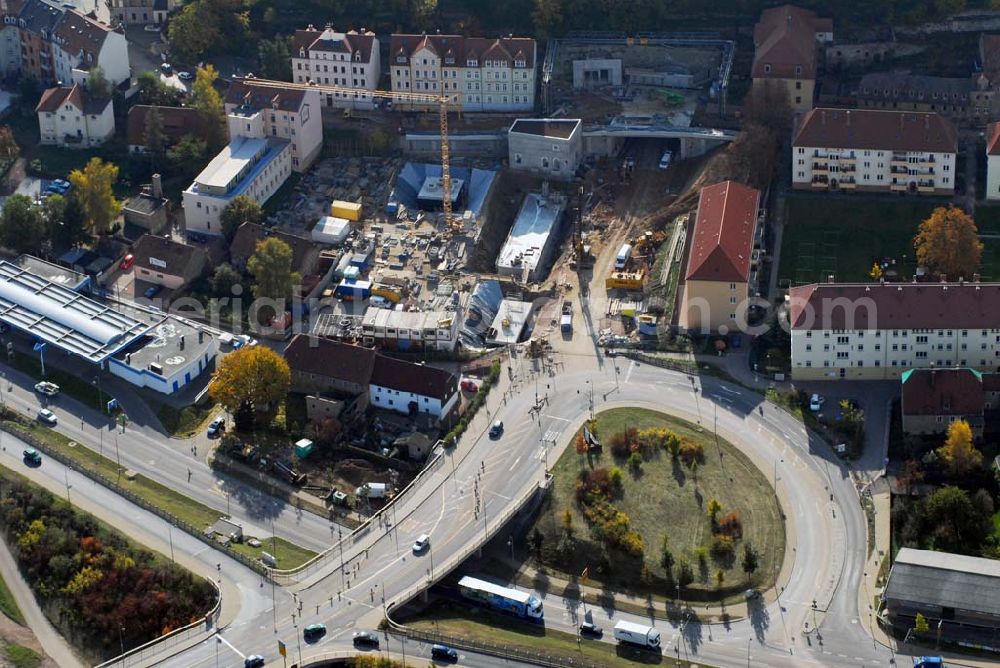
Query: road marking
x=514, y=464
x=229, y=645
x=628, y=374
x=552, y=435
x=727, y=390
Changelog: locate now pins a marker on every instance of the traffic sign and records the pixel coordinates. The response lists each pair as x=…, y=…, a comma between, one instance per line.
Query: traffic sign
x=281, y=649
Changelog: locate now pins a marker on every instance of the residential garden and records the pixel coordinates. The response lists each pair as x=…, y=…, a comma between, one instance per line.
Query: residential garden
x=664, y=508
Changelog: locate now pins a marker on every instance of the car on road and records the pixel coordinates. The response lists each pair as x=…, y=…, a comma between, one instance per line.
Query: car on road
x=313, y=632
x=816, y=403
x=496, y=430
x=216, y=427
x=591, y=629
x=155, y=27
x=366, y=638
x=46, y=416
x=151, y=291
x=469, y=385
x=32, y=457
x=421, y=544
x=185, y=76
x=751, y=594
x=666, y=159
x=46, y=388
x=444, y=652
x=254, y=660
x=127, y=262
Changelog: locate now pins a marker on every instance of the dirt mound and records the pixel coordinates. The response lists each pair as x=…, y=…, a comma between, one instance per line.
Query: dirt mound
x=357, y=472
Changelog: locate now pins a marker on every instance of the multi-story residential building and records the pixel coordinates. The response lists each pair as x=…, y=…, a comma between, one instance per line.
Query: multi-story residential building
x=875, y=150
x=549, y=147
x=876, y=331
x=476, y=73
x=334, y=58
x=249, y=165
x=786, y=46
x=993, y=163
x=288, y=113
x=68, y=116
x=79, y=44
x=142, y=12
x=968, y=99
x=61, y=45
x=10, y=37
x=722, y=265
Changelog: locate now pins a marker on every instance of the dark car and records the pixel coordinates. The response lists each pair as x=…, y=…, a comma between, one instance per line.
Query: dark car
x=444, y=652
x=253, y=661
x=591, y=629
x=313, y=632
x=366, y=638
x=31, y=457
x=151, y=291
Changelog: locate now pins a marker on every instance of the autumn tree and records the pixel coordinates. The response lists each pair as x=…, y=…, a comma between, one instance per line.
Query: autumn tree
x=93, y=188
x=193, y=30
x=156, y=141
x=251, y=381
x=241, y=209
x=958, y=453
x=22, y=226
x=275, y=56
x=207, y=100
x=920, y=624
x=153, y=91
x=876, y=272
x=958, y=522
x=223, y=279
x=548, y=17
x=947, y=243
x=271, y=267
x=714, y=507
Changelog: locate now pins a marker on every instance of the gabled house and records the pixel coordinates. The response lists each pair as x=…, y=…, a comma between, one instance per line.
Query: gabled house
x=70, y=117
x=993, y=162
x=350, y=60
x=722, y=263
x=165, y=262
x=80, y=43
x=287, y=113
x=931, y=399
x=786, y=47
x=175, y=123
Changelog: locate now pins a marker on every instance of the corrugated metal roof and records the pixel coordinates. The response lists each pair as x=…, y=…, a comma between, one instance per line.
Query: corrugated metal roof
x=946, y=580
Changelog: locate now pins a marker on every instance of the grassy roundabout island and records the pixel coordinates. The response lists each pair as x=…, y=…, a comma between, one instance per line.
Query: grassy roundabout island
x=661, y=505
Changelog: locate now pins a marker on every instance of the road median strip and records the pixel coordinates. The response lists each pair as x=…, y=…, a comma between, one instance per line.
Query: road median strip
x=169, y=504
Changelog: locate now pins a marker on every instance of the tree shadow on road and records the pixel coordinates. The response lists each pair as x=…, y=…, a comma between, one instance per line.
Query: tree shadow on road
x=759, y=618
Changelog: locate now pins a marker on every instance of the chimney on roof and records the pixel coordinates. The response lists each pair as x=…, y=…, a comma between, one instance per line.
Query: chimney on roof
x=975, y=278
x=829, y=278
x=310, y=27
x=182, y=342
x=848, y=117
x=157, y=186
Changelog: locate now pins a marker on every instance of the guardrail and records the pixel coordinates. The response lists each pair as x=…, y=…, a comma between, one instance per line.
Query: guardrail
x=17, y=431
x=157, y=646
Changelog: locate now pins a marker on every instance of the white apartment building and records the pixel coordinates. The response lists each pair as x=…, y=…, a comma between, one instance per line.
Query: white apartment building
x=877, y=331
x=142, y=12
x=79, y=44
x=410, y=330
x=286, y=113
x=993, y=163
x=476, y=73
x=69, y=117
x=411, y=388
x=334, y=58
x=10, y=46
x=249, y=165
x=875, y=150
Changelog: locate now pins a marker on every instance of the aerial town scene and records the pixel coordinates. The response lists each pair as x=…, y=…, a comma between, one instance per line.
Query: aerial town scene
x=563, y=333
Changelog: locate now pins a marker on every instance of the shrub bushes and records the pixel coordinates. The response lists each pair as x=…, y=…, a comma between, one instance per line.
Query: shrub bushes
x=691, y=452
x=730, y=525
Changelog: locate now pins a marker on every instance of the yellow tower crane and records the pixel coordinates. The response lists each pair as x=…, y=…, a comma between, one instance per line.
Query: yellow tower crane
x=413, y=98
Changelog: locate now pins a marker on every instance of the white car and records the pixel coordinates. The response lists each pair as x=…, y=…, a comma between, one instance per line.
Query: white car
x=47, y=388
x=816, y=403
x=46, y=416
x=152, y=27
x=666, y=159
x=421, y=544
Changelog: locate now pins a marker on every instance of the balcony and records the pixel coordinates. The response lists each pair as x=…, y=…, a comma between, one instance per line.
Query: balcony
x=925, y=187
x=848, y=185
x=897, y=187
x=898, y=160
x=821, y=168
x=820, y=184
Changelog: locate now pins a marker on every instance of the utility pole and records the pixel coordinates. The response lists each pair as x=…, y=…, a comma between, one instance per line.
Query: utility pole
x=68, y=486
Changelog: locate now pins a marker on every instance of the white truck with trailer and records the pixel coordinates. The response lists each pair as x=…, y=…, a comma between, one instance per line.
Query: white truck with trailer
x=637, y=634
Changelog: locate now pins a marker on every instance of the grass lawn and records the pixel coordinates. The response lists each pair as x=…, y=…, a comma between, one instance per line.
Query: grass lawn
x=665, y=499
x=990, y=268
x=996, y=527
x=161, y=496
x=483, y=626
x=187, y=421
x=843, y=236
x=288, y=555
x=8, y=605
x=21, y=656
x=988, y=218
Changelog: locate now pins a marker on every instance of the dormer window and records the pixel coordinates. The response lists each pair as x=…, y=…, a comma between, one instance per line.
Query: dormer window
x=302, y=53
x=798, y=70
x=357, y=56
x=767, y=68
x=472, y=62
x=449, y=60
x=401, y=59
x=520, y=63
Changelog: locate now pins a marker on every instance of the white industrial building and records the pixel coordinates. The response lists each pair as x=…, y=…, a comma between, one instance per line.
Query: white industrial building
x=330, y=230
x=247, y=166
x=148, y=348
x=548, y=147
x=533, y=239
x=410, y=330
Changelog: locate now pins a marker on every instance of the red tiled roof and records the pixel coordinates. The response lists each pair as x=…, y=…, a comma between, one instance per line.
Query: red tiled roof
x=989, y=55
x=419, y=379
x=722, y=239
x=785, y=38
x=507, y=49
x=76, y=95
x=332, y=359
x=993, y=146
x=885, y=306
x=244, y=245
x=176, y=122
x=883, y=130
x=311, y=39
x=942, y=392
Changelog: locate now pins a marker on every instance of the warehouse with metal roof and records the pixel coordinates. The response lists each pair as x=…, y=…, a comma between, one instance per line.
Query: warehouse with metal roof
x=962, y=591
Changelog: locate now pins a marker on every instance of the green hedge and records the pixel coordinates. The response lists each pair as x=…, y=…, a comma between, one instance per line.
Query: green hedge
x=451, y=438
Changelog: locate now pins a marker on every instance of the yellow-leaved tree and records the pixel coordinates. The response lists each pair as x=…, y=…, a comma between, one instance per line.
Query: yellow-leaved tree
x=947, y=243
x=250, y=383
x=958, y=453
x=93, y=188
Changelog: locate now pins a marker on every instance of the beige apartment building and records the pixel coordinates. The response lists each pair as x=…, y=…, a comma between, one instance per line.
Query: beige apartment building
x=877, y=331
x=786, y=52
x=346, y=59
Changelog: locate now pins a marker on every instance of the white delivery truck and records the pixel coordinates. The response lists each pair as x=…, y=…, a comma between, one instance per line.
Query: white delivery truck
x=624, y=253
x=637, y=634
x=372, y=490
